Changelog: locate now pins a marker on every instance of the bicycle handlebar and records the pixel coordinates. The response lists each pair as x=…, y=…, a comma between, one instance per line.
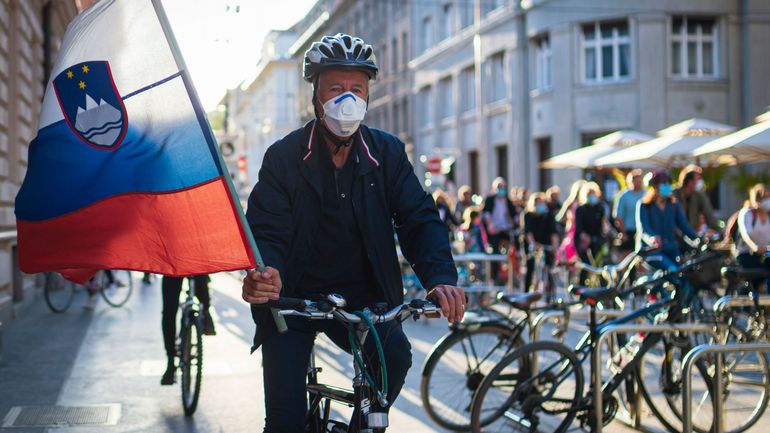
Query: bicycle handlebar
x=331, y=309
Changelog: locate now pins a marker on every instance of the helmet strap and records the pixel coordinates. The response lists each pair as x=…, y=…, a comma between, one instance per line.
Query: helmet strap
x=338, y=142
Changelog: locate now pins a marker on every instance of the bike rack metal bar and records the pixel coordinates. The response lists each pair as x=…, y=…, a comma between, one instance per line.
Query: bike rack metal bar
x=615, y=329
x=544, y=317
x=690, y=359
x=729, y=302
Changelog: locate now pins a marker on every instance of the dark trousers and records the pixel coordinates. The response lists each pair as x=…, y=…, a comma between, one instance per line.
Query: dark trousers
x=754, y=261
x=286, y=358
x=531, y=270
x=172, y=288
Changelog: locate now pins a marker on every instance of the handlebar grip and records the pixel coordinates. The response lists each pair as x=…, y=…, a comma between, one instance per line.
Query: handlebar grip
x=288, y=304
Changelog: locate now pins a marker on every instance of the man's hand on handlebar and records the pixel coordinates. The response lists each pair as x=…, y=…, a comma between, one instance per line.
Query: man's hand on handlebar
x=260, y=287
x=451, y=299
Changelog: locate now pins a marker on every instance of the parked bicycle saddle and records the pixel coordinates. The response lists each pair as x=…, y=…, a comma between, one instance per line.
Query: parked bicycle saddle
x=522, y=301
x=593, y=295
x=739, y=273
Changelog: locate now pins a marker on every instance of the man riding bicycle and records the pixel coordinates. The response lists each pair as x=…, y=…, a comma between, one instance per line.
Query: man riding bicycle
x=323, y=213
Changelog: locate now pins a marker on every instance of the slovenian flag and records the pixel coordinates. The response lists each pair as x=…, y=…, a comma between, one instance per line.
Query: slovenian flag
x=124, y=172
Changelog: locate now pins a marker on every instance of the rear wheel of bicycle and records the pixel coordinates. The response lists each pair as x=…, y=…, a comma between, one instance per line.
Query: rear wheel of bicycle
x=58, y=292
x=745, y=389
x=117, y=294
x=191, y=362
x=455, y=368
x=537, y=387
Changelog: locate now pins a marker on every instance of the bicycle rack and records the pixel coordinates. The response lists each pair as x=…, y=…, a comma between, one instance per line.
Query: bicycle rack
x=689, y=360
x=729, y=302
x=544, y=317
x=616, y=329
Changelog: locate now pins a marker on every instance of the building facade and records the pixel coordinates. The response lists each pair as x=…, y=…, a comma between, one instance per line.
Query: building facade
x=527, y=80
x=30, y=36
x=264, y=109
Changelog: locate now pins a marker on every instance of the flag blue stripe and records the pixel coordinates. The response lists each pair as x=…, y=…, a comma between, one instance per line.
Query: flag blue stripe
x=68, y=175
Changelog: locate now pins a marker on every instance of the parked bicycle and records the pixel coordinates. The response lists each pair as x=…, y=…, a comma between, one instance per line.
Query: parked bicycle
x=367, y=399
x=461, y=359
x=114, y=286
x=539, y=386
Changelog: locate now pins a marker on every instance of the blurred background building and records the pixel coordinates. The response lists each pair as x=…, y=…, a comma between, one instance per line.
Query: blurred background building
x=494, y=87
x=30, y=36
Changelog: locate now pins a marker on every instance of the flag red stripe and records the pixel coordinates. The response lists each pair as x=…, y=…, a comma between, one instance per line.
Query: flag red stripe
x=192, y=231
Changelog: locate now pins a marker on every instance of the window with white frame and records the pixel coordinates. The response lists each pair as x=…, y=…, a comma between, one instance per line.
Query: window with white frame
x=694, y=47
x=446, y=97
x=468, y=89
x=606, y=51
x=447, y=22
x=543, y=63
x=426, y=34
x=497, y=89
x=426, y=106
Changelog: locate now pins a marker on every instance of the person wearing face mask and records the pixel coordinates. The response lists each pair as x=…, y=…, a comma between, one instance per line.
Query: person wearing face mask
x=659, y=218
x=499, y=214
x=691, y=195
x=754, y=230
x=590, y=224
x=323, y=215
x=540, y=231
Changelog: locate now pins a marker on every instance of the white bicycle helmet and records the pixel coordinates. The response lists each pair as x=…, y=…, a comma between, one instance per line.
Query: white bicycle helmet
x=339, y=51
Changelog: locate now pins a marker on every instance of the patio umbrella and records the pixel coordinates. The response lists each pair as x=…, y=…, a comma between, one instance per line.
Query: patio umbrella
x=585, y=157
x=750, y=144
x=672, y=147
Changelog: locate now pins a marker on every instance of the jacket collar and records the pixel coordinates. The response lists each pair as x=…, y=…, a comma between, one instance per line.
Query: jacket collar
x=365, y=157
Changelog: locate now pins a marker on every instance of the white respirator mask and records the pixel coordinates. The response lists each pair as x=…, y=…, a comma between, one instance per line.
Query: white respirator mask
x=344, y=113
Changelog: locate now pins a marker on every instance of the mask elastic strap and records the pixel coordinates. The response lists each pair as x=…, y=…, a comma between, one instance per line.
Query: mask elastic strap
x=338, y=143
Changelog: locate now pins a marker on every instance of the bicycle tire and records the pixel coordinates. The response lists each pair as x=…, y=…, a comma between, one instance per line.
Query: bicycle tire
x=58, y=292
x=118, y=294
x=662, y=411
x=525, y=395
x=191, y=361
x=471, y=379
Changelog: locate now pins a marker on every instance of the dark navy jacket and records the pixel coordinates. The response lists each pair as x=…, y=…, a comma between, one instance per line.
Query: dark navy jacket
x=285, y=208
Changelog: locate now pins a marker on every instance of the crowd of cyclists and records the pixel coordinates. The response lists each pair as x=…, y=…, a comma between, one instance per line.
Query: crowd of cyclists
x=650, y=211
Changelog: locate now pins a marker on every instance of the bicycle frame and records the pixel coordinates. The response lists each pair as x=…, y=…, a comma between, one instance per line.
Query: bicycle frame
x=355, y=398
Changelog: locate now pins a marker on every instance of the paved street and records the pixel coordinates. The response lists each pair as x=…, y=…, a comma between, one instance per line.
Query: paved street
x=115, y=356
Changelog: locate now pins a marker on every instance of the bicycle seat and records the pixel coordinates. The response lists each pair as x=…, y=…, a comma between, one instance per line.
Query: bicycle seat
x=522, y=301
x=593, y=295
x=739, y=273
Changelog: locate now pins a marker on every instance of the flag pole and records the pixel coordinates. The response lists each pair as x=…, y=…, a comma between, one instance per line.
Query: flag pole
x=212, y=143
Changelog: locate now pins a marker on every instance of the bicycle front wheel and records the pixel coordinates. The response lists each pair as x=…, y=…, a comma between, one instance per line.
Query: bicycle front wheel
x=537, y=387
x=58, y=292
x=117, y=293
x=456, y=367
x=191, y=361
